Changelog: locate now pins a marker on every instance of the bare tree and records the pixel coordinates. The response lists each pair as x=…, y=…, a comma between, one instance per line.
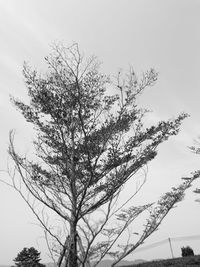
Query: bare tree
x=90, y=140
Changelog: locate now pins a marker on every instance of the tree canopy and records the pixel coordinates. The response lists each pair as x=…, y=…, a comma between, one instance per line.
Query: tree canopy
x=90, y=140
x=28, y=257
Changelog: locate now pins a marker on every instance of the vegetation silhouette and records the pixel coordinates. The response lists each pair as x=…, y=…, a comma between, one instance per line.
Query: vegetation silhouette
x=91, y=139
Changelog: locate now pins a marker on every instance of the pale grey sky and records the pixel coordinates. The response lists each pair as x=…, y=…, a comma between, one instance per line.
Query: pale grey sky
x=142, y=33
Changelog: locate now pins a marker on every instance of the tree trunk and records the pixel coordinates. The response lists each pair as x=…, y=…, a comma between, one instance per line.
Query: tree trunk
x=72, y=258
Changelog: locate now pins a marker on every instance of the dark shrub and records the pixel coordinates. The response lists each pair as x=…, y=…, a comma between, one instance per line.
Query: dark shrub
x=187, y=251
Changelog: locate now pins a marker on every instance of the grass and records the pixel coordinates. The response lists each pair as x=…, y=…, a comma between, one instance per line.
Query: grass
x=192, y=261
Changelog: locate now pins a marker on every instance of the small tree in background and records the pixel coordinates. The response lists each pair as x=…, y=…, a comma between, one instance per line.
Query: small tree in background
x=28, y=257
x=91, y=140
x=187, y=251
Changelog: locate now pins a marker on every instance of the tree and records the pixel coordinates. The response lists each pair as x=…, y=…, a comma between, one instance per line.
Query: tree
x=187, y=251
x=90, y=141
x=28, y=257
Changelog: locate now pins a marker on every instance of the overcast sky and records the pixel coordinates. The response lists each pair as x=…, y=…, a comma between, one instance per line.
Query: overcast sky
x=142, y=33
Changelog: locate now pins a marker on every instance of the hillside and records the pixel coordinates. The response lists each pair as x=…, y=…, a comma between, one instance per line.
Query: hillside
x=107, y=263
x=104, y=263
x=192, y=261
